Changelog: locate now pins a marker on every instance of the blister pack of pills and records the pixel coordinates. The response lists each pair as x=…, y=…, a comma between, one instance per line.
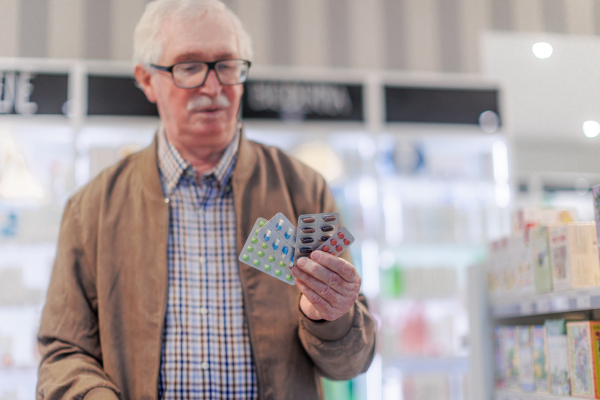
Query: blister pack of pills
x=270, y=247
x=313, y=230
x=337, y=243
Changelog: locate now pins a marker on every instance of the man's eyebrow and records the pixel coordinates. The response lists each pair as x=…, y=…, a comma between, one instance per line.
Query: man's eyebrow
x=200, y=57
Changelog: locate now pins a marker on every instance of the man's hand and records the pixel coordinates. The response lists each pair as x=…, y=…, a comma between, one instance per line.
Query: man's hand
x=329, y=285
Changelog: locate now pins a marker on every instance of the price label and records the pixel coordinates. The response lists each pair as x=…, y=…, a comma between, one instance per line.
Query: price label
x=561, y=303
x=542, y=306
x=526, y=308
x=584, y=301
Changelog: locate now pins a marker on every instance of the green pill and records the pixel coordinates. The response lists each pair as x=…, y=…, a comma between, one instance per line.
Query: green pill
x=261, y=223
x=282, y=264
x=261, y=254
x=271, y=259
x=254, y=240
x=278, y=273
x=288, y=277
x=265, y=246
x=250, y=249
x=267, y=267
x=256, y=232
x=256, y=262
x=245, y=257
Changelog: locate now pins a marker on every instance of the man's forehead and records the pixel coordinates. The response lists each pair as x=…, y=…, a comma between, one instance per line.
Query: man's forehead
x=195, y=38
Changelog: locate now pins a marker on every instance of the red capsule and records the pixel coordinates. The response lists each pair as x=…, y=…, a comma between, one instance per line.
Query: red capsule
x=328, y=218
x=308, y=220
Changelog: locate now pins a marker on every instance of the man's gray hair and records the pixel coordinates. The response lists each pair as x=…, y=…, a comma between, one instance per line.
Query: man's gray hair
x=148, y=45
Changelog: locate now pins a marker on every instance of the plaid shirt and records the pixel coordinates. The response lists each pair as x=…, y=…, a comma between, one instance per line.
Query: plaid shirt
x=206, y=350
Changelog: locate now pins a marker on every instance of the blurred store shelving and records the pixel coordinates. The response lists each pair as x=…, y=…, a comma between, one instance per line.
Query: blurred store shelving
x=422, y=200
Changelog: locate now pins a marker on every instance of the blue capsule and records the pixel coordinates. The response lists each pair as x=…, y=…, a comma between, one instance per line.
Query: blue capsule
x=268, y=235
x=276, y=244
x=292, y=258
x=280, y=225
x=288, y=233
x=285, y=250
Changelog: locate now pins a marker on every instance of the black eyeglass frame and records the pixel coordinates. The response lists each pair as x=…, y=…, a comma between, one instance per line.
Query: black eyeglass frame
x=211, y=66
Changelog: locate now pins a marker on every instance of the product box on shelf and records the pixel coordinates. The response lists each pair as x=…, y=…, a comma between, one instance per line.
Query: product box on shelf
x=540, y=359
x=541, y=260
x=583, y=339
x=558, y=356
x=522, y=259
x=507, y=266
x=596, y=197
x=500, y=360
x=536, y=216
x=574, y=256
x=494, y=270
x=510, y=346
x=526, y=374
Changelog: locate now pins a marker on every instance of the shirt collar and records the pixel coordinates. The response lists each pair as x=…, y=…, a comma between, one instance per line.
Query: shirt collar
x=173, y=167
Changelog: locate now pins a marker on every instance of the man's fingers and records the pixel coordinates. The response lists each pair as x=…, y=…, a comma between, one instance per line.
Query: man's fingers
x=320, y=304
x=328, y=277
x=336, y=264
x=327, y=292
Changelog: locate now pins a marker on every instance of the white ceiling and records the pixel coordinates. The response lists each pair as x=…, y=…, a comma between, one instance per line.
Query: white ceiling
x=546, y=98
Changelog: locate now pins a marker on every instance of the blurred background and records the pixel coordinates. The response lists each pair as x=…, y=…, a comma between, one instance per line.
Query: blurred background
x=433, y=121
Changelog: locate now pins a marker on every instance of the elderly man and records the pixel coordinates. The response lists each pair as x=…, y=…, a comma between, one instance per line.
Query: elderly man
x=147, y=299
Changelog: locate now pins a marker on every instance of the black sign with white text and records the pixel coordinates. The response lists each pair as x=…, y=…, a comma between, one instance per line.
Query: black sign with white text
x=29, y=93
x=439, y=105
x=117, y=95
x=302, y=101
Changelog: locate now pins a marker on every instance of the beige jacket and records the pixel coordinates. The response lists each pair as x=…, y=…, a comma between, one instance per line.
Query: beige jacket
x=102, y=325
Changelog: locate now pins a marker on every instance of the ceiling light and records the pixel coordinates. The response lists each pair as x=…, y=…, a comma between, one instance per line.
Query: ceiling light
x=591, y=129
x=542, y=49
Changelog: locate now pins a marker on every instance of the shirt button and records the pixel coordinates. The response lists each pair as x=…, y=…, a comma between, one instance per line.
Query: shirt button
x=204, y=365
x=202, y=260
x=203, y=310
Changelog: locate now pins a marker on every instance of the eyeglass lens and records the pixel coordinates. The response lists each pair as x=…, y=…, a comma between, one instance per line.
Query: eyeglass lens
x=193, y=74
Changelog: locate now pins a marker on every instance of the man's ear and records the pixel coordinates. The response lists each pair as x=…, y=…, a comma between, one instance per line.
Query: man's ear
x=143, y=78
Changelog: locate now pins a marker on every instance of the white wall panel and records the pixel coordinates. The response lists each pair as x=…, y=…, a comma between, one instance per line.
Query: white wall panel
x=423, y=46
x=366, y=34
x=528, y=15
x=124, y=16
x=474, y=18
x=580, y=17
x=65, y=35
x=9, y=28
x=309, y=33
x=254, y=16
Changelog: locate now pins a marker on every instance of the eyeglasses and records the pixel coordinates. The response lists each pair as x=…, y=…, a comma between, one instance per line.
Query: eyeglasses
x=188, y=75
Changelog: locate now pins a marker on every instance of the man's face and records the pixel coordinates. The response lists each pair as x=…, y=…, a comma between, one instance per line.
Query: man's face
x=206, y=115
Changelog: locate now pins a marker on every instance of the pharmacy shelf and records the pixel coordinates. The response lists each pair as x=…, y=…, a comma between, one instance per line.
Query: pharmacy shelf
x=432, y=364
x=508, y=395
x=549, y=303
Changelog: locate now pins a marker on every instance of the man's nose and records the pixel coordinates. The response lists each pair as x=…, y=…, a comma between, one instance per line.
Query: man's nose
x=212, y=87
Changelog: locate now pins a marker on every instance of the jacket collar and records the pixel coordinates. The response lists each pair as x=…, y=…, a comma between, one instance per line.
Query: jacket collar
x=151, y=175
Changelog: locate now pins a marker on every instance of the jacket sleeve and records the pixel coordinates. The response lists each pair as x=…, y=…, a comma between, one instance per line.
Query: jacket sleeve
x=68, y=340
x=343, y=348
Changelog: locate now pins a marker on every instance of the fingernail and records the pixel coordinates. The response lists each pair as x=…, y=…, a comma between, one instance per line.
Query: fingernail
x=301, y=262
x=316, y=255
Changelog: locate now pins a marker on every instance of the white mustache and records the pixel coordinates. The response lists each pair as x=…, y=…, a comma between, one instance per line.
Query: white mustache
x=201, y=102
